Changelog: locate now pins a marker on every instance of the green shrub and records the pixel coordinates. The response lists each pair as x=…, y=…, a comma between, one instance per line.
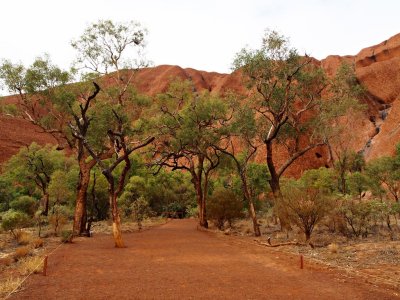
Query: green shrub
x=140, y=210
x=132, y=192
x=13, y=220
x=358, y=183
x=224, y=206
x=24, y=204
x=360, y=215
x=304, y=206
x=192, y=211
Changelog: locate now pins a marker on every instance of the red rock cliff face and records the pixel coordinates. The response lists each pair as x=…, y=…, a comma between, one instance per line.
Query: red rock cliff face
x=376, y=131
x=378, y=70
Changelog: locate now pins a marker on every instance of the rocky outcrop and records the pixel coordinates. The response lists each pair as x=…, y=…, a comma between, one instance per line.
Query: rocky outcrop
x=332, y=62
x=378, y=70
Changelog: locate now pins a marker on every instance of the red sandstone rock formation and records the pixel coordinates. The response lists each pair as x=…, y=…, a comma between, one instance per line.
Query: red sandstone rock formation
x=378, y=70
x=16, y=133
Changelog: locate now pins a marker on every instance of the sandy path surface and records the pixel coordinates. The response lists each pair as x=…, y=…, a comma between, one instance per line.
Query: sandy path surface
x=176, y=261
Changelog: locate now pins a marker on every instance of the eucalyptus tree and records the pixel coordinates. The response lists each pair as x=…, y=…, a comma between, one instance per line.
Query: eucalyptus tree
x=294, y=101
x=46, y=98
x=114, y=52
x=102, y=56
x=119, y=136
x=241, y=144
x=286, y=87
x=103, y=52
x=189, y=125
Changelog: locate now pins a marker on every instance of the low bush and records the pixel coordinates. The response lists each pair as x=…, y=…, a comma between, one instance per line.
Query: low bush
x=360, y=214
x=224, y=206
x=304, y=206
x=192, y=211
x=13, y=220
x=140, y=210
x=24, y=204
x=21, y=252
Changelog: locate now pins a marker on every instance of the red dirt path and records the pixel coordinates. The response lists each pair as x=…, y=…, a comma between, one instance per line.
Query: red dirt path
x=176, y=261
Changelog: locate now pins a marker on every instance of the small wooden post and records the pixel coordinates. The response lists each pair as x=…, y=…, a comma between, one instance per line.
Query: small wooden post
x=301, y=262
x=45, y=265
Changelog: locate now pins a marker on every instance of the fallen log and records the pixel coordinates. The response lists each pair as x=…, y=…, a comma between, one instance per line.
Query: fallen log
x=282, y=244
x=269, y=244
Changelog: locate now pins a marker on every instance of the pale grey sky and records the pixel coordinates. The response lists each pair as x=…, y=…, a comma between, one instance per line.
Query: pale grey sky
x=204, y=34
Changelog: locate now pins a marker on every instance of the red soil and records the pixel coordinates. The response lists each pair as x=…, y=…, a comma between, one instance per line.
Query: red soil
x=176, y=261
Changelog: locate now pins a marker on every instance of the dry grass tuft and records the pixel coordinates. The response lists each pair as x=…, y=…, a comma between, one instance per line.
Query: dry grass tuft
x=37, y=243
x=333, y=248
x=322, y=240
x=9, y=285
x=23, y=238
x=21, y=252
x=30, y=265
